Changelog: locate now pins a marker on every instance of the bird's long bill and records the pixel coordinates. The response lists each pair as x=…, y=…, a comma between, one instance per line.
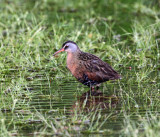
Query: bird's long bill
x=62, y=49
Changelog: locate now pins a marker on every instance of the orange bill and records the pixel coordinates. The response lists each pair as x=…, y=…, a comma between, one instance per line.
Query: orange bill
x=62, y=49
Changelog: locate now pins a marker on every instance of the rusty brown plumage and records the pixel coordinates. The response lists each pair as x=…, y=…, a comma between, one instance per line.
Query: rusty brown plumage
x=87, y=68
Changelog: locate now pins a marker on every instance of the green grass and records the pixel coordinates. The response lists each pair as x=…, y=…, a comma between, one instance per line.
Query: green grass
x=38, y=94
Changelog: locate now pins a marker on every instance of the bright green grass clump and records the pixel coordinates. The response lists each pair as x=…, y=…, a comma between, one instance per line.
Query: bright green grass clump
x=38, y=96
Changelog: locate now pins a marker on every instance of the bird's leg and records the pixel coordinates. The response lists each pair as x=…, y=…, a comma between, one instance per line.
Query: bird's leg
x=97, y=87
x=92, y=88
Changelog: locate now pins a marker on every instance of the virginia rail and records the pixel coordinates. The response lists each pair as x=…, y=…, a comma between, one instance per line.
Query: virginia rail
x=87, y=68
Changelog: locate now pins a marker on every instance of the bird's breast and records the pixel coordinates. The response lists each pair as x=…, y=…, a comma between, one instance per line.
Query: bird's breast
x=71, y=63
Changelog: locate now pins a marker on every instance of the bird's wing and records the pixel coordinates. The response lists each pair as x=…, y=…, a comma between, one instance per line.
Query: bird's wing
x=100, y=71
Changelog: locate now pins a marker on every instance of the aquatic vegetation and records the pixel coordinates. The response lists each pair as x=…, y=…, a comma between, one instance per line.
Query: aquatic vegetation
x=38, y=96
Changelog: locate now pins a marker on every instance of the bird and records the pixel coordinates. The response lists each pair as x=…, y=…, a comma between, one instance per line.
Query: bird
x=87, y=68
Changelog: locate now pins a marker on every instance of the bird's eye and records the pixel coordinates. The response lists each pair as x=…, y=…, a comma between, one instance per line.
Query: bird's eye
x=66, y=47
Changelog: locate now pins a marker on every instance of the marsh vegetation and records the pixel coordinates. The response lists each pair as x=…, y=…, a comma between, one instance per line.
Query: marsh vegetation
x=38, y=95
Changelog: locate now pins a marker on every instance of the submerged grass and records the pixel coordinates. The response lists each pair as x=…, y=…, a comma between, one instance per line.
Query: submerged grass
x=38, y=96
x=145, y=126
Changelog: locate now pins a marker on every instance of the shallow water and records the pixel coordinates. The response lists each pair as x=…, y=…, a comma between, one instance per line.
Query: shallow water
x=48, y=95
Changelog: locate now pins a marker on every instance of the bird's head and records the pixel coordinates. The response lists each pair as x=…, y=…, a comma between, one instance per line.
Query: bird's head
x=69, y=47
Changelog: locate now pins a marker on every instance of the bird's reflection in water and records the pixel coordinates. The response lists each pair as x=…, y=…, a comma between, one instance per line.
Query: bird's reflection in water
x=91, y=101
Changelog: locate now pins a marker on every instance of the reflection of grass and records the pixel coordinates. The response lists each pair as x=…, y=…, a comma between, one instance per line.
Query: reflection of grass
x=79, y=122
x=124, y=33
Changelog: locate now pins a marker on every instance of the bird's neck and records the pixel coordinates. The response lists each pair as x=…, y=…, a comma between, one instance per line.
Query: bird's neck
x=72, y=58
